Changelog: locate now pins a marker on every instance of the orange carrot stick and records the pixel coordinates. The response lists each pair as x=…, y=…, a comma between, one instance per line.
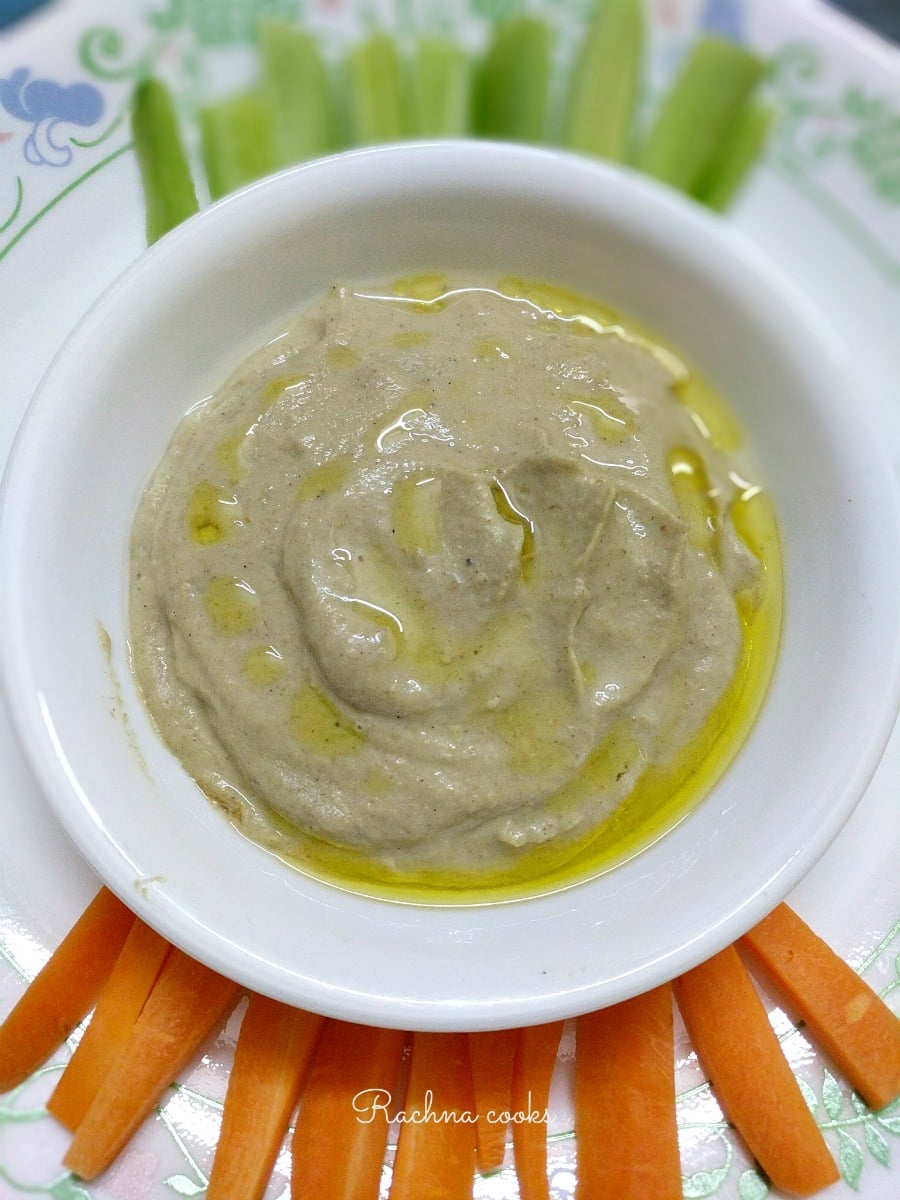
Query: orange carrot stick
x=532, y=1074
x=274, y=1048
x=118, y=1007
x=492, y=1053
x=730, y=1031
x=64, y=990
x=436, y=1149
x=187, y=1002
x=341, y=1131
x=842, y=1012
x=625, y=1127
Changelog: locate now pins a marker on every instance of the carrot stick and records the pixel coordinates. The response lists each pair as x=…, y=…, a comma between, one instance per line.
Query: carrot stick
x=341, y=1131
x=187, y=1002
x=118, y=1007
x=842, y=1012
x=532, y=1074
x=625, y=1098
x=730, y=1031
x=436, y=1148
x=493, y=1054
x=274, y=1049
x=64, y=990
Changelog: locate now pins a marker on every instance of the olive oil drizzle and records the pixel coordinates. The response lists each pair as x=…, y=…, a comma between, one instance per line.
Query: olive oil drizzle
x=505, y=506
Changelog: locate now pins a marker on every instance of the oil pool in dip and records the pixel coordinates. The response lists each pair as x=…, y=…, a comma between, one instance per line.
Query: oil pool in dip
x=455, y=589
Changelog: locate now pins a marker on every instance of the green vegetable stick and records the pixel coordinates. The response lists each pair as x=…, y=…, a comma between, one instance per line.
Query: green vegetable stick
x=513, y=81
x=169, y=193
x=692, y=126
x=376, y=92
x=296, y=85
x=746, y=141
x=605, y=79
x=238, y=142
x=440, y=88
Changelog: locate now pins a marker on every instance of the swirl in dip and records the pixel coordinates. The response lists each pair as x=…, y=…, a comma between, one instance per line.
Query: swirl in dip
x=439, y=582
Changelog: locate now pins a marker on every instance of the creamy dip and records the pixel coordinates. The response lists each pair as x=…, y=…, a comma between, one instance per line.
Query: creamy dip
x=437, y=581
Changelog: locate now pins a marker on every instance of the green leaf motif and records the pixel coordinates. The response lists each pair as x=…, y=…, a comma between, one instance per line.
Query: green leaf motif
x=704, y=1183
x=17, y=205
x=496, y=10
x=850, y=1159
x=20, y=1116
x=796, y=63
x=101, y=51
x=876, y=1143
x=15, y=1110
x=812, y=1101
x=223, y=22
x=67, y=1189
x=889, y=1118
x=752, y=1186
x=832, y=1096
x=858, y=104
x=815, y=128
x=182, y=1186
x=169, y=19
x=876, y=149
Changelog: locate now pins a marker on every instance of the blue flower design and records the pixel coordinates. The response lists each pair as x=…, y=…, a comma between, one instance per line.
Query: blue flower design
x=724, y=17
x=44, y=105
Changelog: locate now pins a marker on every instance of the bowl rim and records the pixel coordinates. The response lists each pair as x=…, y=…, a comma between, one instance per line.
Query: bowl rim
x=36, y=730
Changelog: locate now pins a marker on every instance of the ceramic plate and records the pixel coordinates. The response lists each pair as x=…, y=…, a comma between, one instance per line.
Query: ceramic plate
x=826, y=205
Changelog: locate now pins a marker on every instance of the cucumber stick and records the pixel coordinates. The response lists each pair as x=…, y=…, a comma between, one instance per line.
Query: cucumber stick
x=696, y=116
x=746, y=141
x=169, y=193
x=238, y=140
x=513, y=84
x=297, y=87
x=707, y=134
x=441, y=78
x=605, y=81
x=378, y=103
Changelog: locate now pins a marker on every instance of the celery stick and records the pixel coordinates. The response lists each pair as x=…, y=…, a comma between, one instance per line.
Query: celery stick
x=440, y=88
x=169, y=193
x=340, y=95
x=296, y=85
x=692, y=125
x=377, y=99
x=238, y=142
x=746, y=141
x=514, y=81
x=606, y=75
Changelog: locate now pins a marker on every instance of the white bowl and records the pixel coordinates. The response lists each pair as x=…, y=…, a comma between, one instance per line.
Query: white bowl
x=173, y=326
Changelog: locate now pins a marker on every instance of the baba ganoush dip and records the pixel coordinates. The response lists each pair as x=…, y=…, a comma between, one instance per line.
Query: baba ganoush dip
x=419, y=580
